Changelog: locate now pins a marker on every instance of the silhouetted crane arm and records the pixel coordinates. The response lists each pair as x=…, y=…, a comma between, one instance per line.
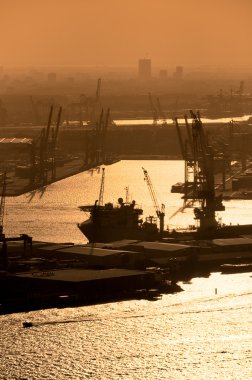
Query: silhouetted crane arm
x=159, y=210
x=153, y=194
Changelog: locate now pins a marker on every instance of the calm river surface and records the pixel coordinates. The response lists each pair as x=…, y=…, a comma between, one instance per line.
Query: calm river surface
x=193, y=334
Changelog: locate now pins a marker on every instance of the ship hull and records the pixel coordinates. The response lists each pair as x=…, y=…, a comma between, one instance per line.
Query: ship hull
x=97, y=234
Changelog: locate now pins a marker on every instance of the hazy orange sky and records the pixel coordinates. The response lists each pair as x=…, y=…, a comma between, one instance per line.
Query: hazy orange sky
x=118, y=33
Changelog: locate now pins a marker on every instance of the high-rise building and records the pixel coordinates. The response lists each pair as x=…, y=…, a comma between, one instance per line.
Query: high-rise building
x=51, y=77
x=144, y=69
x=178, y=72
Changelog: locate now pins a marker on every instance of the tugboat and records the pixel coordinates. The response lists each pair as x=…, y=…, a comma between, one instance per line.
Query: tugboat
x=27, y=324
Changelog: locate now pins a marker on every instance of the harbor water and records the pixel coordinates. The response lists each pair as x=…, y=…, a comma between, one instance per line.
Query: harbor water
x=51, y=213
x=202, y=332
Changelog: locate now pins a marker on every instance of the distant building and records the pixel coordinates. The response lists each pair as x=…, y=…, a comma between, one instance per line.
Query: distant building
x=70, y=80
x=144, y=69
x=51, y=77
x=163, y=74
x=178, y=72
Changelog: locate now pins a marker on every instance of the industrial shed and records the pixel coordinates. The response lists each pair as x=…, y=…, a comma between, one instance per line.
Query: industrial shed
x=232, y=245
x=85, y=285
x=93, y=256
x=159, y=249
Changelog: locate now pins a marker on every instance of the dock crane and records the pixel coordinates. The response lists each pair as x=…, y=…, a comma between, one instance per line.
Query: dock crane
x=55, y=134
x=103, y=135
x=96, y=103
x=35, y=111
x=153, y=109
x=161, y=113
x=100, y=200
x=202, y=164
x=2, y=203
x=43, y=151
x=159, y=210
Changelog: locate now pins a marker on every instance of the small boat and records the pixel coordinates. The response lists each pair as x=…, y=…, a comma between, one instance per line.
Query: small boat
x=27, y=324
x=236, y=268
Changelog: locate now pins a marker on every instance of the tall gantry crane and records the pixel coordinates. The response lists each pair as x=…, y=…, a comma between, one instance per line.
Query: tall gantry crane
x=104, y=134
x=96, y=103
x=153, y=110
x=43, y=151
x=159, y=210
x=199, y=176
x=161, y=113
x=2, y=203
x=54, y=142
x=35, y=111
x=100, y=200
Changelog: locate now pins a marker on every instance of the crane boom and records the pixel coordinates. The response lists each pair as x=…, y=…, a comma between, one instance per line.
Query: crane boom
x=159, y=211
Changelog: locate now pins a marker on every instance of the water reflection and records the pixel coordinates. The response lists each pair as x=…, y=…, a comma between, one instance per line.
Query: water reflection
x=180, y=120
x=40, y=191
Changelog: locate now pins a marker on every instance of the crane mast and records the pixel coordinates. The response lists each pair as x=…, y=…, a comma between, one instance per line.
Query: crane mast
x=161, y=113
x=159, y=211
x=153, y=110
x=2, y=203
x=202, y=164
x=100, y=201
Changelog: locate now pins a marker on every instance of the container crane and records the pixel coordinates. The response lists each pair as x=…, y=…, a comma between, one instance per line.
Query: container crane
x=35, y=111
x=54, y=144
x=161, y=113
x=2, y=203
x=103, y=135
x=153, y=109
x=202, y=164
x=96, y=103
x=100, y=200
x=181, y=142
x=97, y=136
x=159, y=210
